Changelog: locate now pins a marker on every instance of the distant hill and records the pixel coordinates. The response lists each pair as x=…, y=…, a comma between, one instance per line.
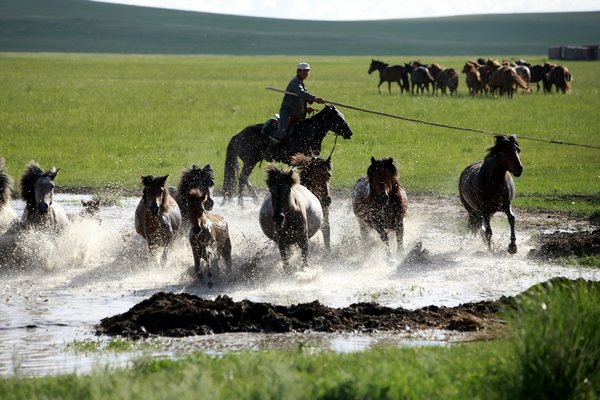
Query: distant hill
x=90, y=27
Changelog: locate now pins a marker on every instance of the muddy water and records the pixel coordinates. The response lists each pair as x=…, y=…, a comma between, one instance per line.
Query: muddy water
x=97, y=269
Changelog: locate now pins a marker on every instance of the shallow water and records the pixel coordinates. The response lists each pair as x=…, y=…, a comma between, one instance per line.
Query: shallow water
x=99, y=269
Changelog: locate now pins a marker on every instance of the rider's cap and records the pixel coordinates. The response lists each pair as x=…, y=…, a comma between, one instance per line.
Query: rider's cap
x=303, y=65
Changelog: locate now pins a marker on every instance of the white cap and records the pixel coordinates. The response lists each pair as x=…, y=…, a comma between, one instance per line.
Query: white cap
x=303, y=65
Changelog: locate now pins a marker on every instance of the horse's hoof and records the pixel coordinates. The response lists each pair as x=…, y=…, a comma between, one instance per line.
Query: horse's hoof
x=512, y=248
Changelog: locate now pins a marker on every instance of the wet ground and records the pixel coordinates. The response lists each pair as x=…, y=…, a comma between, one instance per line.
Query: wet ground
x=55, y=291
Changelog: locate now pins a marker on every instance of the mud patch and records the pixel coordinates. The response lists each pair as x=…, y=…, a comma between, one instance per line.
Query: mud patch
x=566, y=244
x=170, y=314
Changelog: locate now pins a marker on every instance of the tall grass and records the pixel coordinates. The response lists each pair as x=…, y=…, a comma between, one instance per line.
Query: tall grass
x=106, y=119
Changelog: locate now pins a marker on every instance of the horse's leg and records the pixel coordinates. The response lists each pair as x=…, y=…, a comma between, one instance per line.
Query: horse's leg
x=512, y=247
x=226, y=254
x=400, y=237
x=326, y=229
x=243, y=181
x=385, y=238
x=283, y=250
x=390, y=87
x=303, y=243
x=488, y=231
x=379, y=86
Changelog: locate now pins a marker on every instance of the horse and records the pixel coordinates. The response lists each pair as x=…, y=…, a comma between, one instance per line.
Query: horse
x=90, y=209
x=7, y=215
x=473, y=79
x=250, y=145
x=511, y=81
x=37, y=190
x=486, y=187
x=290, y=214
x=421, y=78
x=447, y=78
x=157, y=216
x=390, y=73
x=561, y=77
x=315, y=174
x=379, y=202
x=194, y=177
x=209, y=236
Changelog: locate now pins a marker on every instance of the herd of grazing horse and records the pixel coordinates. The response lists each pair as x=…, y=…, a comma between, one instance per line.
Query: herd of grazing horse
x=483, y=76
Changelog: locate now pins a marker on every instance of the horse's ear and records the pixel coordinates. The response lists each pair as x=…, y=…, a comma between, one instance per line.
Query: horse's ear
x=372, y=160
x=52, y=173
x=162, y=180
x=207, y=167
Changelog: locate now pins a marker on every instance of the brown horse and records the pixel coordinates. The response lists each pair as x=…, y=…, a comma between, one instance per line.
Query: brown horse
x=37, y=190
x=560, y=77
x=447, y=78
x=209, y=236
x=380, y=202
x=473, y=79
x=157, y=216
x=486, y=187
x=195, y=177
x=390, y=73
x=315, y=174
x=290, y=213
x=511, y=81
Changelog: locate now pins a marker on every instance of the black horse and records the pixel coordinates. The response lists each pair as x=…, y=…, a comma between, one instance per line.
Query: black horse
x=250, y=145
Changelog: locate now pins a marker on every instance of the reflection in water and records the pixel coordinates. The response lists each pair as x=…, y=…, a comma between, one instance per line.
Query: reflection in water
x=61, y=288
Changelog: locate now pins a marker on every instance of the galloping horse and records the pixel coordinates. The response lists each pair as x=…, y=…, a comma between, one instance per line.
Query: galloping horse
x=290, y=213
x=157, y=216
x=249, y=145
x=209, y=236
x=315, y=174
x=486, y=187
x=380, y=202
x=390, y=73
x=37, y=189
x=194, y=178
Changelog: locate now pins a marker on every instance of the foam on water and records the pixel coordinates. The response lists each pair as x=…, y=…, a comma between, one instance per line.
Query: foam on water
x=62, y=286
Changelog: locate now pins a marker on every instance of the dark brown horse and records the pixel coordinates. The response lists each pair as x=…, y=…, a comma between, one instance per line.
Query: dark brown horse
x=157, y=216
x=195, y=177
x=209, y=236
x=379, y=202
x=315, y=174
x=250, y=145
x=473, y=79
x=486, y=187
x=390, y=73
x=290, y=214
x=37, y=190
x=560, y=77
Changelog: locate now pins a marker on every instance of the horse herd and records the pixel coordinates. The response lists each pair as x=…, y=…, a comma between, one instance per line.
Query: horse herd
x=294, y=209
x=483, y=76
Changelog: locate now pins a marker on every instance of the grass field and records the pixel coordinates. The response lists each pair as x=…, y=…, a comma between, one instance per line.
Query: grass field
x=106, y=119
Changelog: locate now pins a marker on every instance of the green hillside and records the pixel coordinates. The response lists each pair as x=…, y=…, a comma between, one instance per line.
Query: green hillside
x=90, y=27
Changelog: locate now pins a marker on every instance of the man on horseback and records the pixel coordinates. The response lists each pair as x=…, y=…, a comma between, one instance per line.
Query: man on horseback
x=294, y=107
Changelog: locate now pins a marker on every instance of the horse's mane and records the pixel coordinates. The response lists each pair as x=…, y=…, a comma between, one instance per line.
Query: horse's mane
x=307, y=164
x=6, y=184
x=501, y=142
x=150, y=180
x=196, y=177
x=30, y=176
x=379, y=62
x=276, y=175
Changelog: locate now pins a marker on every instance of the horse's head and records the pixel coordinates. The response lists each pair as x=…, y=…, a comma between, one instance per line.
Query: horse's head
x=200, y=178
x=336, y=121
x=315, y=174
x=280, y=185
x=382, y=179
x=376, y=65
x=507, y=152
x=37, y=187
x=197, y=199
x=155, y=192
x=90, y=208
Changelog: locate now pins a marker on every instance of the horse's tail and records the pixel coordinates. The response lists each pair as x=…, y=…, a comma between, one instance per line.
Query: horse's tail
x=519, y=81
x=6, y=185
x=565, y=79
x=231, y=169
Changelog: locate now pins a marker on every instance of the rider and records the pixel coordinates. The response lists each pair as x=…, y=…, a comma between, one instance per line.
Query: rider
x=293, y=107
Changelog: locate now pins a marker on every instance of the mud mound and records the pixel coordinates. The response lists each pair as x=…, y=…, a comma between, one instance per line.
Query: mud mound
x=565, y=244
x=169, y=314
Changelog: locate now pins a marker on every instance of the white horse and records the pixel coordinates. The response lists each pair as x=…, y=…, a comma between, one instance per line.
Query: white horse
x=290, y=213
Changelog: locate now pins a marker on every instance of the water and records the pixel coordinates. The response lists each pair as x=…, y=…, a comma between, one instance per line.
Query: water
x=99, y=269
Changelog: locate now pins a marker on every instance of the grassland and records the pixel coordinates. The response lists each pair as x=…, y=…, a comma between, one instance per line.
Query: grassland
x=106, y=119
x=78, y=26
x=551, y=351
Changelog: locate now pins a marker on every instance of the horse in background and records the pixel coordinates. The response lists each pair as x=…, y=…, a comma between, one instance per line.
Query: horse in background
x=290, y=214
x=486, y=187
x=209, y=236
x=315, y=174
x=7, y=215
x=390, y=73
x=511, y=81
x=194, y=178
x=420, y=78
x=473, y=78
x=90, y=209
x=560, y=77
x=37, y=190
x=250, y=145
x=379, y=202
x=447, y=78
x=157, y=216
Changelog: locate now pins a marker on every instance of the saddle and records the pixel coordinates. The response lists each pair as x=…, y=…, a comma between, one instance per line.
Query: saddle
x=270, y=126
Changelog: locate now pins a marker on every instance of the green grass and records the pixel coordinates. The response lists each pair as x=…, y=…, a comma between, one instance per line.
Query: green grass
x=107, y=119
x=551, y=351
x=79, y=26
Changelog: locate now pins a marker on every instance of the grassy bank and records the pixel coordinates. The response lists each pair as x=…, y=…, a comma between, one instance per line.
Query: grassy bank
x=106, y=119
x=551, y=351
